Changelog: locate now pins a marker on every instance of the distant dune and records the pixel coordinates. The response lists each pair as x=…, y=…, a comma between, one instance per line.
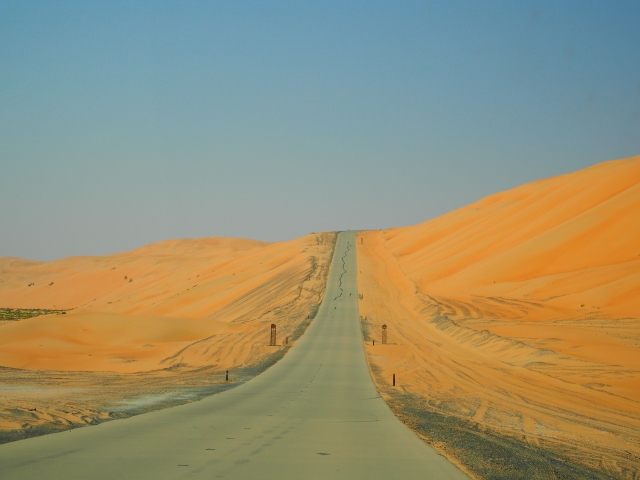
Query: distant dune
x=191, y=302
x=520, y=314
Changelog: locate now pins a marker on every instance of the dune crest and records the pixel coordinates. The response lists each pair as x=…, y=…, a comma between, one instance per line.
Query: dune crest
x=573, y=238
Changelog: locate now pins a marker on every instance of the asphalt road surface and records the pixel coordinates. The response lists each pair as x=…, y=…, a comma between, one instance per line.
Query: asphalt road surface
x=315, y=414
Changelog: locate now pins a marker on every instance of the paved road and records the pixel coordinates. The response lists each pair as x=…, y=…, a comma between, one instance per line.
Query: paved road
x=315, y=414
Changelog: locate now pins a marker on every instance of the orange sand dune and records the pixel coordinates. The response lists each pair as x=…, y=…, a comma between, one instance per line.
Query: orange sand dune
x=100, y=341
x=190, y=302
x=520, y=313
x=566, y=241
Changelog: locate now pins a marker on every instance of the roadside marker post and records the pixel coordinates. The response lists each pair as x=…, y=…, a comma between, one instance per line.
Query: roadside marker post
x=394, y=379
x=384, y=334
x=226, y=379
x=272, y=342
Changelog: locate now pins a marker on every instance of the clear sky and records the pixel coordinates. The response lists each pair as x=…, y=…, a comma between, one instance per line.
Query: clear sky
x=124, y=123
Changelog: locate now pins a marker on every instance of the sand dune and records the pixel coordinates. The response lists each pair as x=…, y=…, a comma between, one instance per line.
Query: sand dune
x=150, y=328
x=514, y=321
x=520, y=315
x=191, y=302
x=568, y=241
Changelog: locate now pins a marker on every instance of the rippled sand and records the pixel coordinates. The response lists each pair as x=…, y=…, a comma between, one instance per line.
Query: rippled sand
x=151, y=327
x=519, y=318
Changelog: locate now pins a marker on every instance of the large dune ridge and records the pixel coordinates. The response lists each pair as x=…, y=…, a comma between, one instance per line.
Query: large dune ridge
x=167, y=309
x=519, y=317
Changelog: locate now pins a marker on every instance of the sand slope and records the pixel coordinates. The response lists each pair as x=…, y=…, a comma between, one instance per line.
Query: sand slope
x=189, y=302
x=520, y=313
x=567, y=241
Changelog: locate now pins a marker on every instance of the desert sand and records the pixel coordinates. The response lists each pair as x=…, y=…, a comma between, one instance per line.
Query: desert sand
x=513, y=326
x=139, y=322
x=517, y=320
x=315, y=414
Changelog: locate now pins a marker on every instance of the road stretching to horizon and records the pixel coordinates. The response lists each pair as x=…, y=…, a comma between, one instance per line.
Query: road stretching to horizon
x=314, y=414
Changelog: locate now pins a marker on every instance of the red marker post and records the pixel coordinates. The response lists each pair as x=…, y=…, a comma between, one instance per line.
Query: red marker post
x=394, y=379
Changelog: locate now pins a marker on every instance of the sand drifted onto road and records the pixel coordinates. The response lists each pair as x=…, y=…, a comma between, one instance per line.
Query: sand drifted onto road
x=142, y=324
x=514, y=326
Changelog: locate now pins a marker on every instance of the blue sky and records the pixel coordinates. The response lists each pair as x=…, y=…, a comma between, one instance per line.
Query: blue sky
x=125, y=123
